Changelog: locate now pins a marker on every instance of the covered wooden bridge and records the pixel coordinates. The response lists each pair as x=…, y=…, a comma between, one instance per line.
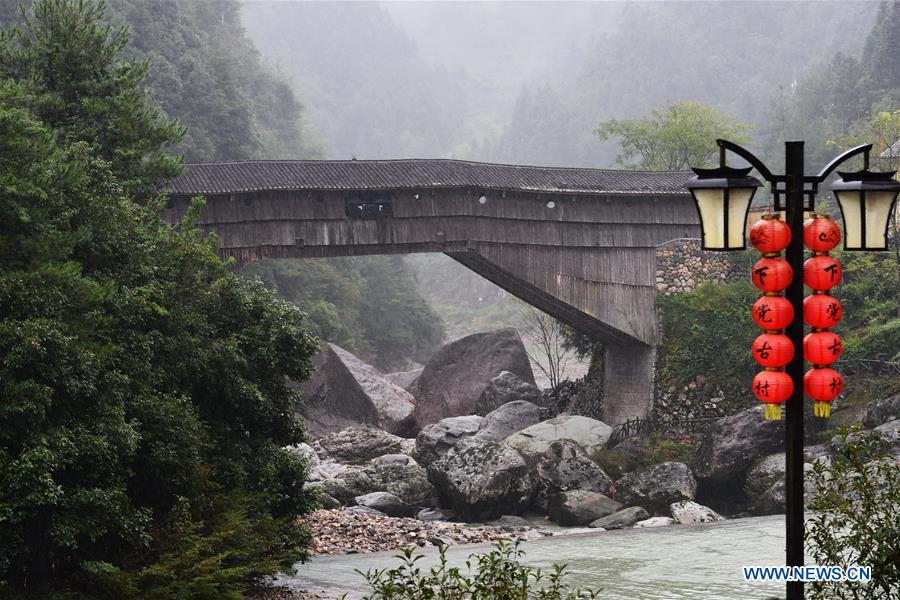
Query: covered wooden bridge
x=578, y=244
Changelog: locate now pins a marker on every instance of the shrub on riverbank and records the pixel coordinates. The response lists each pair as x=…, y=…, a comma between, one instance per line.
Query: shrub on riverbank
x=494, y=574
x=856, y=503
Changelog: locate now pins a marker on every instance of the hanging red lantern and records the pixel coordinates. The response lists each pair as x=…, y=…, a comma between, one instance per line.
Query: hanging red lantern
x=773, y=312
x=772, y=274
x=773, y=388
x=821, y=272
x=821, y=311
x=821, y=234
x=773, y=350
x=822, y=385
x=770, y=234
x=822, y=347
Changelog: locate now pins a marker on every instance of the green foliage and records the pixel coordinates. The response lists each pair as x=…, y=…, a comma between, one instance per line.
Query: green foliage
x=708, y=331
x=675, y=138
x=496, y=574
x=369, y=305
x=855, y=507
x=206, y=73
x=69, y=65
x=146, y=403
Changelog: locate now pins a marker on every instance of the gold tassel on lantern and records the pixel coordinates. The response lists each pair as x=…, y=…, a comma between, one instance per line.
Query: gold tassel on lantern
x=822, y=409
x=773, y=412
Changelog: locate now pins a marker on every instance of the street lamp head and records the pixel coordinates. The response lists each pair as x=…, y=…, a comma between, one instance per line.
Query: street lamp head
x=722, y=196
x=866, y=200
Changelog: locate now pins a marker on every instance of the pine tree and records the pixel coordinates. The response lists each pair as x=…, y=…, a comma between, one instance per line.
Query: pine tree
x=70, y=65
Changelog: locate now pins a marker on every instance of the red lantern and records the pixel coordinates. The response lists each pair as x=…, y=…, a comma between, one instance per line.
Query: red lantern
x=821, y=311
x=822, y=347
x=821, y=234
x=772, y=274
x=822, y=385
x=773, y=312
x=770, y=234
x=821, y=272
x=773, y=388
x=773, y=350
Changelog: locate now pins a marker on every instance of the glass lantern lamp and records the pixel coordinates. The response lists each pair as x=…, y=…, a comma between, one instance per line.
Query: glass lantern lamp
x=722, y=196
x=866, y=200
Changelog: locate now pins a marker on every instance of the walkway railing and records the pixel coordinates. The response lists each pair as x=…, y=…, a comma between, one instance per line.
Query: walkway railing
x=635, y=427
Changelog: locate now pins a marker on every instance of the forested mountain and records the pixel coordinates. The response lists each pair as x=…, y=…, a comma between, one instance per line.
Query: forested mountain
x=205, y=72
x=730, y=55
x=370, y=92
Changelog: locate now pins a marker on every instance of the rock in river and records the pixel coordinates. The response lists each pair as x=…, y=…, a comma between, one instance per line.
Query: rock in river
x=458, y=373
x=580, y=507
x=437, y=439
x=565, y=466
x=691, y=513
x=481, y=480
x=621, y=519
x=357, y=445
x=344, y=391
x=588, y=433
x=731, y=446
x=656, y=487
x=408, y=482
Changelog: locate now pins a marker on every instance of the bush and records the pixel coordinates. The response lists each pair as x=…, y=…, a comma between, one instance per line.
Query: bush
x=855, y=504
x=708, y=331
x=497, y=574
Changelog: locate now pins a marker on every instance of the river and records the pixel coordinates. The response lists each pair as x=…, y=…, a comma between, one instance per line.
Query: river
x=666, y=563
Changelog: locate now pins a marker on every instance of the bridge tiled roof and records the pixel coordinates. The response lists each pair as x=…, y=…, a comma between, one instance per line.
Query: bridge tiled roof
x=260, y=175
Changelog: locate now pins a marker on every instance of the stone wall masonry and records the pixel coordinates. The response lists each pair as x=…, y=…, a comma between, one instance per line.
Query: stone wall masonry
x=681, y=266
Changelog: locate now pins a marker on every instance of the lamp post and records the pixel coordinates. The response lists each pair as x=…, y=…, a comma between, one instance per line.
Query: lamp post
x=723, y=197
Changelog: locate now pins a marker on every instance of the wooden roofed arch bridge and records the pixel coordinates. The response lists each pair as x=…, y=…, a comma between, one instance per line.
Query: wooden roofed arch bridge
x=579, y=244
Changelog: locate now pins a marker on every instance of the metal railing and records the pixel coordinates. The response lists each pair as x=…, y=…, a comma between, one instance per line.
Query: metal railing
x=635, y=427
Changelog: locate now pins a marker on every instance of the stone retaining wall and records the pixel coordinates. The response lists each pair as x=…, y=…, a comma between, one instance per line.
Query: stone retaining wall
x=681, y=265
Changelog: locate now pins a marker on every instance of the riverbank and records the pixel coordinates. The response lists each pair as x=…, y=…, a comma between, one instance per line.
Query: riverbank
x=350, y=532
x=678, y=562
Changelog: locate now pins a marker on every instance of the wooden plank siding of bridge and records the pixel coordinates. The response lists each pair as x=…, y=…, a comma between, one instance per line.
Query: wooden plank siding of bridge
x=579, y=244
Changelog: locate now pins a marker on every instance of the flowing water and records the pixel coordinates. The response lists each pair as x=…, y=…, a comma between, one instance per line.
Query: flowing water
x=675, y=562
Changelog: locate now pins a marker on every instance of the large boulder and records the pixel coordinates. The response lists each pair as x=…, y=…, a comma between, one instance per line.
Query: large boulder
x=588, y=433
x=765, y=482
x=655, y=522
x=481, y=480
x=691, y=513
x=621, y=519
x=404, y=378
x=458, y=373
x=387, y=503
x=357, y=445
x=581, y=507
x=437, y=439
x=564, y=466
x=506, y=387
x=881, y=411
x=408, y=482
x=889, y=432
x=656, y=487
x=345, y=391
x=508, y=419
x=732, y=445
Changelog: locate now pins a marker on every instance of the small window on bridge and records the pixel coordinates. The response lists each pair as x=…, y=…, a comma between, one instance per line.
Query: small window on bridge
x=368, y=209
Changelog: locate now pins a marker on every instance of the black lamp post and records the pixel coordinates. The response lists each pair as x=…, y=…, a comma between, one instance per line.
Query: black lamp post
x=723, y=198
